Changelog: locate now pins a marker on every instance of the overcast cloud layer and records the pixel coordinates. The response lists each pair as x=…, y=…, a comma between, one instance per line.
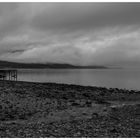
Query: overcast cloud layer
x=75, y=33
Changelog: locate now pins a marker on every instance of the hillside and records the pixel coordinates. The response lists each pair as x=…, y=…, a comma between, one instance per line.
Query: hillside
x=6, y=64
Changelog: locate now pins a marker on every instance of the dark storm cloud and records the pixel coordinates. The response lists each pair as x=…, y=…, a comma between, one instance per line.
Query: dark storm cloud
x=11, y=18
x=76, y=16
x=76, y=33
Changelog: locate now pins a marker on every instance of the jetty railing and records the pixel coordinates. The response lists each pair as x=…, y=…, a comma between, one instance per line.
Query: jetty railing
x=8, y=74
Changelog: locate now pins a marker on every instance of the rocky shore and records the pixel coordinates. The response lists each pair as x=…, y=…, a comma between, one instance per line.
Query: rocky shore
x=60, y=110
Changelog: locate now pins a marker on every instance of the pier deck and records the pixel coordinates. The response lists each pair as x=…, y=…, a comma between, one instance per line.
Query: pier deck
x=8, y=74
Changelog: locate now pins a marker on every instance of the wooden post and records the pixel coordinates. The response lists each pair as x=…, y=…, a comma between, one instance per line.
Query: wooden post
x=8, y=74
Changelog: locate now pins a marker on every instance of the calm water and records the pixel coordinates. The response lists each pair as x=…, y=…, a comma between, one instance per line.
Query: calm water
x=119, y=78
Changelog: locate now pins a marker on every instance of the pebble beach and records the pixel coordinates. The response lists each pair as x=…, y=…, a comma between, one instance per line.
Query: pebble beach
x=38, y=110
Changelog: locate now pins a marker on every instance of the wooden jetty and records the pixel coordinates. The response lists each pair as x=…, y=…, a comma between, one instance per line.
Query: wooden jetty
x=8, y=74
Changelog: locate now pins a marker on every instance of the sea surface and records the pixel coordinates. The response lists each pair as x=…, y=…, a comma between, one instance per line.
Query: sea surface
x=110, y=78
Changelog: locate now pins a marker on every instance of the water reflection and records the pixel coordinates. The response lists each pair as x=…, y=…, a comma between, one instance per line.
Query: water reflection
x=120, y=78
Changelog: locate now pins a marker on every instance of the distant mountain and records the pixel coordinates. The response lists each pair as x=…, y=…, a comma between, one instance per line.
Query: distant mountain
x=6, y=64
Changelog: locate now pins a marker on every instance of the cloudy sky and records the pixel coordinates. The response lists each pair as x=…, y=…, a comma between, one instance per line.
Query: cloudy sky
x=74, y=33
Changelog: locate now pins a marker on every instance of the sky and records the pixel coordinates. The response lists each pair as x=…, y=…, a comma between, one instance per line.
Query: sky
x=75, y=33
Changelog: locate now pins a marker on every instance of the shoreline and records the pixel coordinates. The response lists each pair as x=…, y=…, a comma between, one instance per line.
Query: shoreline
x=34, y=109
x=76, y=85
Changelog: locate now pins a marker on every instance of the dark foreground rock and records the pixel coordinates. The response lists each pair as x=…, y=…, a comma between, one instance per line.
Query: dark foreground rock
x=60, y=110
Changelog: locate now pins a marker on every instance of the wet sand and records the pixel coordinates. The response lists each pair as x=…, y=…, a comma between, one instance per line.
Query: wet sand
x=60, y=110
